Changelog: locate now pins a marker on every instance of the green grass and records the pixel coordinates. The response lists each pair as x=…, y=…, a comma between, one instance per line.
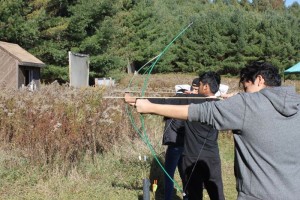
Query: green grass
x=117, y=174
x=226, y=146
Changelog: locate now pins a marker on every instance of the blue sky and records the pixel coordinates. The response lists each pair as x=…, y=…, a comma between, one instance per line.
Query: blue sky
x=290, y=2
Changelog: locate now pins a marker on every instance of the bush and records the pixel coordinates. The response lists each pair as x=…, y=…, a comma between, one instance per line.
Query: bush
x=60, y=124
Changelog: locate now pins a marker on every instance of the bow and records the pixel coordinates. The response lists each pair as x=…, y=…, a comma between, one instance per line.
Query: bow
x=142, y=131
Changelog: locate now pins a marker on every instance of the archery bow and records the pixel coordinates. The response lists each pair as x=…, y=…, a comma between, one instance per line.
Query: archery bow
x=142, y=132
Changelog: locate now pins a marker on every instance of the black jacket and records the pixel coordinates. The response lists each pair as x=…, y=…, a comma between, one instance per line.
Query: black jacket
x=174, y=128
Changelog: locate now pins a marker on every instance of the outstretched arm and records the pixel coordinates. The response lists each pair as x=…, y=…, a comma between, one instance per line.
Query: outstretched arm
x=145, y=106
x=171, y=111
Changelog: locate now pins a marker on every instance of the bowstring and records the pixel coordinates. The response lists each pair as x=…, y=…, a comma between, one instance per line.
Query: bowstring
x=142, y=131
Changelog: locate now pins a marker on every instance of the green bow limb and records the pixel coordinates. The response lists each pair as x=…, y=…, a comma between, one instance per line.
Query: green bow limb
x=142, y=131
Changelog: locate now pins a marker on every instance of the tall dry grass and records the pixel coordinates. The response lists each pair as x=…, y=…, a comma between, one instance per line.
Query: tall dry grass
x=60, y=124
x=167, y=82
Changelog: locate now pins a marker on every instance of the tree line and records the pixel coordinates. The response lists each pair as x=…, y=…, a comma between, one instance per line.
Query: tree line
x=122, y=35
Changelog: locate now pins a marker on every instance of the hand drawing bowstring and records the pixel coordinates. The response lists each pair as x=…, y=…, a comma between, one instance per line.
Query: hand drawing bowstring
x=142, y=131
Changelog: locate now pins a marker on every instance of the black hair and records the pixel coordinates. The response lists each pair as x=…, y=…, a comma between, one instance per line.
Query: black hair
x=213, y=79
x=196, y=82
x=269, y=73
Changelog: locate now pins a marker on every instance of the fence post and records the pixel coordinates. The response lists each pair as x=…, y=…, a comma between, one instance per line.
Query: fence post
x=146, y=189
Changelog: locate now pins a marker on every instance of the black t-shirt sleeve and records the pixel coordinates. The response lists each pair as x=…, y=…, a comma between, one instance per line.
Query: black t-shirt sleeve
x=166, y=100
x=158, y=100
x=188, y=99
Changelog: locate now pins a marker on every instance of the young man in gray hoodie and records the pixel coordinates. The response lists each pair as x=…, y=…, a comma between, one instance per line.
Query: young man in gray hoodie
x=267, y=132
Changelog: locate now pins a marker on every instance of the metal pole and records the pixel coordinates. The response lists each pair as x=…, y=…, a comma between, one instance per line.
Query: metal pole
x=146, y=189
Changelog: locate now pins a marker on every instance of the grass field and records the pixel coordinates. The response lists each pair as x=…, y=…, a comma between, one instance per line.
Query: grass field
x=64, y=143
x=116, y=175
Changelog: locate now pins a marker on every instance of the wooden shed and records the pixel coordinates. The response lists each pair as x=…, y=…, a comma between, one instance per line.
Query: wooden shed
x=18, y=67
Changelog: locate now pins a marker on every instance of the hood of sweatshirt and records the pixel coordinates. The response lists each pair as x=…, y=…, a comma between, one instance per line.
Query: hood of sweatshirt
x=284, y=99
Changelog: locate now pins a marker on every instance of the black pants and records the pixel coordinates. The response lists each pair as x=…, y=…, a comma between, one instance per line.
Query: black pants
x=207, y=173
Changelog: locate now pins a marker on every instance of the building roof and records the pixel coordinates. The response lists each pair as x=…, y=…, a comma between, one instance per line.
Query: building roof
x=23, y=56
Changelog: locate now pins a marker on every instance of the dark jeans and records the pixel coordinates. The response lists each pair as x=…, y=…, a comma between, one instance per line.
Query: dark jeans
x=173, y=159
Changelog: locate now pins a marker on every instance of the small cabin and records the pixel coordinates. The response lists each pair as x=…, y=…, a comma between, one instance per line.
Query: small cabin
x=18, y=68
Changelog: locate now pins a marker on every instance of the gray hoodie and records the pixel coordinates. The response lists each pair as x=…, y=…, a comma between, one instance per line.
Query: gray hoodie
x=267, y=140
